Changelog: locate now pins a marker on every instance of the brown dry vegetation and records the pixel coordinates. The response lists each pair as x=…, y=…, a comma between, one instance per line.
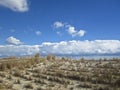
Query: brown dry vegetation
x=52, y=73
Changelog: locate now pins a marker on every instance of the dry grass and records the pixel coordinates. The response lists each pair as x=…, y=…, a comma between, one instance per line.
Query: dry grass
x=51, y=73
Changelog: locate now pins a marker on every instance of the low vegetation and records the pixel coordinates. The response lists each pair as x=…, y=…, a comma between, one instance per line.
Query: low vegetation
x=52, y=73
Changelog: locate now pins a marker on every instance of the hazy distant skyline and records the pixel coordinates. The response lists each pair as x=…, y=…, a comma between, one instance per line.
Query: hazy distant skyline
x=59, y=27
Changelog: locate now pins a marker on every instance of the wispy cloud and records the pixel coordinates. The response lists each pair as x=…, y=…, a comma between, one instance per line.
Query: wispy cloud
x=15, y=5
x=13, y=40
x=59, y=33
x=12, y=30
x=38, y=33
x=58, y=24
x=81, y=33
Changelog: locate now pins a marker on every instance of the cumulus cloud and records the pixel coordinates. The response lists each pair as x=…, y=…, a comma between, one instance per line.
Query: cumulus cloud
x=58, y=24
x=81, y=33
x=15, y=5
x=74, y=47
x=21, y=50
x=81, y=47
x=72, y=31
x=13, y=40
x=38, y=33
x=15, y=48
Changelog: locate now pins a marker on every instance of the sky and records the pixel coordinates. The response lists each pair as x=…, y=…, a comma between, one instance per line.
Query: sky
x=67, y=27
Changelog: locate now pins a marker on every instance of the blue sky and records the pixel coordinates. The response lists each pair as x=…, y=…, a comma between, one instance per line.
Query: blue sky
x=34, y=22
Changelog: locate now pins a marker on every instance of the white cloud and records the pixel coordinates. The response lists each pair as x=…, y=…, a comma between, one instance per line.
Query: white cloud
x=58, y=24
x=64, y=48
x=13, y=40
x=81, y=33
x=38, y=33
x=81, y=47
x=21, y=50
x=15, y=5
x=72, y=31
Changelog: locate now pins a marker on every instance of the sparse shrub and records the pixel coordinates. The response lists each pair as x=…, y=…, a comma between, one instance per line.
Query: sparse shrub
x=1, y=81
x=28, y=86
x=9, y=65
x=28, y=65
x=37, y=55
x=49, y=57
x=39, y=88
x=84, y=85
x=2, y=74
x=2, y=87
x=17, y=81
x=12, y=57
x=117, y=83
x=9, y=77
x=53, y=57
x=17, y=73
x=63, y=58
x=9, y=86
x=3, y=66
x=82, y=60
x=39, y=81
x=71, y=88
